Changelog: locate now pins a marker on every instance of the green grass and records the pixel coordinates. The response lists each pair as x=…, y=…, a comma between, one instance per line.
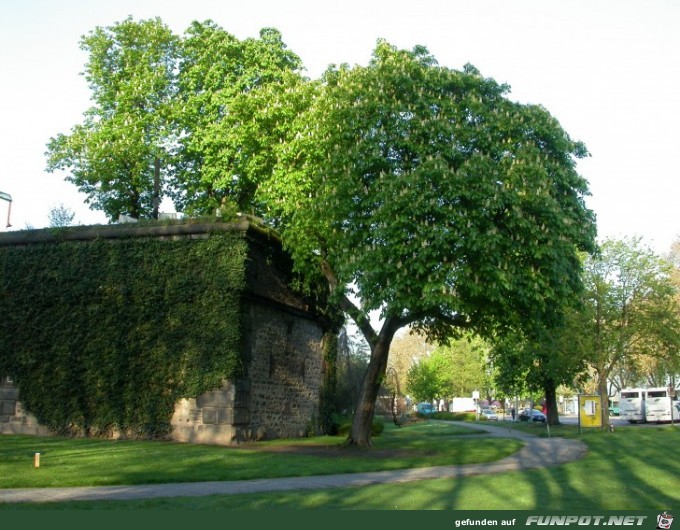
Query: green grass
x=634, y=468
x=95, y=462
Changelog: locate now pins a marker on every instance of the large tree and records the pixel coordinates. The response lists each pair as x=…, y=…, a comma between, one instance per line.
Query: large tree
x=432, y=197
x=120, y=155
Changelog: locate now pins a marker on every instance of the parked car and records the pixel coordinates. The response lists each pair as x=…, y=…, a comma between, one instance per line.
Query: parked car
x=425, y=408
x=488, y=414
x=614, y=410
x=535, y=415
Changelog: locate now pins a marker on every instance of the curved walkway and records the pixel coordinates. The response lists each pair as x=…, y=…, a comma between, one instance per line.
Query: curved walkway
x=537, y=452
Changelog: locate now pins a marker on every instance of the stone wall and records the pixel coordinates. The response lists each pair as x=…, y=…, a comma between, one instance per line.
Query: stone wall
x=285, y=374
x=281, y=352
x=278, y=397
x=211, y=418
x=278, y=394
x=13, y=418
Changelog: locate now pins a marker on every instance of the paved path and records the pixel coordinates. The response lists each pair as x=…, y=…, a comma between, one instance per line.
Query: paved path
x=537, y=452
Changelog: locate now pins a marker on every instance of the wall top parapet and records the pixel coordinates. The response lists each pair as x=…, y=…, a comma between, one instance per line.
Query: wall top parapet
x=187, y=227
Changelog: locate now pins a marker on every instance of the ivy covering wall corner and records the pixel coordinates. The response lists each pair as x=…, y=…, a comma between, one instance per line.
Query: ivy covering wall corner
x=109, y=334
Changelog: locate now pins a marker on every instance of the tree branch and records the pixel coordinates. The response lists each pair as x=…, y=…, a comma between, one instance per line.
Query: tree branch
x=348, y=307
x=456, y=320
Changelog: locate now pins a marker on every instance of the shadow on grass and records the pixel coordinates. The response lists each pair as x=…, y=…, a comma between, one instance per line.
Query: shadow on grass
x=629, y=469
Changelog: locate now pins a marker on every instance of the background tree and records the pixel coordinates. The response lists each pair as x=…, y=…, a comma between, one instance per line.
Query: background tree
x=59, y=216
x=442, y=203
x=352, y=361
x=470, y=369
x=538, y=361
x=425, y=382
x=452, y=370
x=630, y=325
x=674, y=259
x=220, y=159
x=119, y=157
x=406, y=350
x=160, y=124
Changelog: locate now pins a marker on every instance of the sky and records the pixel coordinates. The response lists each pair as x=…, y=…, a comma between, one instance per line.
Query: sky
x=608, y=70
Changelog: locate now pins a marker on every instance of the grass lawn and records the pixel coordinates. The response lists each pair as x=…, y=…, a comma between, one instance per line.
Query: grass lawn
x=634, y=468
x=95, y=462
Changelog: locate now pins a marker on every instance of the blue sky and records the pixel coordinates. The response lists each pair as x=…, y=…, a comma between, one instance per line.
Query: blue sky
x=607, y=70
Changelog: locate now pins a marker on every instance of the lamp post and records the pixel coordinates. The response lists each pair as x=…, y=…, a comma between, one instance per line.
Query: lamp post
x=6, y=197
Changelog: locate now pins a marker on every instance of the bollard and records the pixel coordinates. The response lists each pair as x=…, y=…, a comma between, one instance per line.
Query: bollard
x=36, y=460
x=611, y=426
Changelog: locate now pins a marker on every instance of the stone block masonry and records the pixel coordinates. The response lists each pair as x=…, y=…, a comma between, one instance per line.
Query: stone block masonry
x=14, y=419
x=278, y=396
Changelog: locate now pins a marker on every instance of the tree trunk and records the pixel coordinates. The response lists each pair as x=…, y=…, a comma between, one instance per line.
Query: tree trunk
x=551, y=402
x=362, y=422
x=604, y=397
x=156, y=188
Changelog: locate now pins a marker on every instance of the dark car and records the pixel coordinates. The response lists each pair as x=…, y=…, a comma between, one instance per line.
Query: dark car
x=535, y=415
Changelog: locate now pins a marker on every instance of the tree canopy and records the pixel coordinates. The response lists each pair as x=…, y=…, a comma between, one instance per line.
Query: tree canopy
x=119, y=156
x=453, y=370
x=155, y=127
x=219, y=157
x=422, y=186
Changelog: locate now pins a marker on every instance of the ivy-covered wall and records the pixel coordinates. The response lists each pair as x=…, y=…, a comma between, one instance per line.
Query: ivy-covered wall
x=106, y=330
